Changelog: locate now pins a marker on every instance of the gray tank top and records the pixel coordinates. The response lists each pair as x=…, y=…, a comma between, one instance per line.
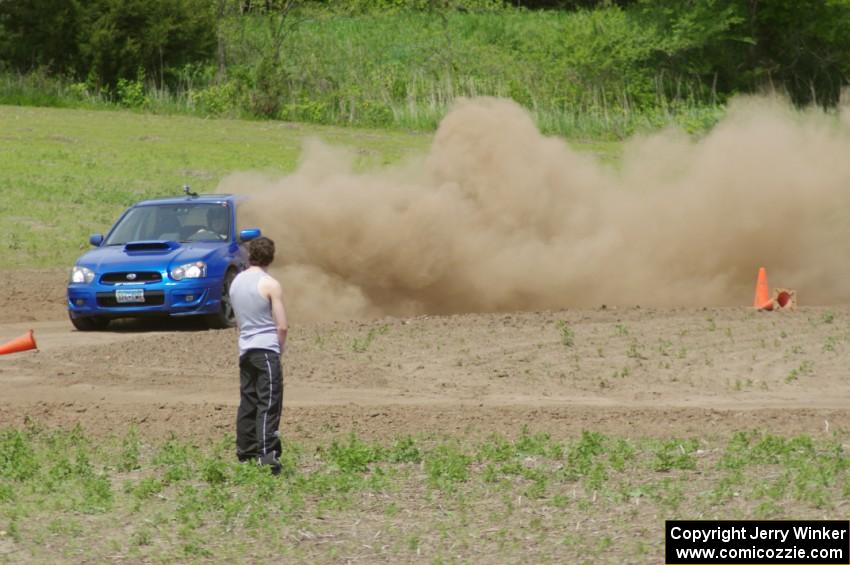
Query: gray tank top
x=257, y=328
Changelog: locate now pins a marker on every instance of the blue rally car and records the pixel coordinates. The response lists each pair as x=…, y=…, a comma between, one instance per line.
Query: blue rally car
x=166, y=257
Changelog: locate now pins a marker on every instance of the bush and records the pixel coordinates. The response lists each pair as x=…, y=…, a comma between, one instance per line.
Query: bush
x=107, y=40
x=131, y=93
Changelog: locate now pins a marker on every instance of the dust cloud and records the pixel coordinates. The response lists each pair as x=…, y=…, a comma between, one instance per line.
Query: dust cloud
x=498, y=217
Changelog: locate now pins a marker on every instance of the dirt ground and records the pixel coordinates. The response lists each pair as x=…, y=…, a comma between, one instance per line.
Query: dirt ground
x=626, y=371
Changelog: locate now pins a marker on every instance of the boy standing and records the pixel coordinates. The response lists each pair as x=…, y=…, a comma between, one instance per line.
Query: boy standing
x=257, y=300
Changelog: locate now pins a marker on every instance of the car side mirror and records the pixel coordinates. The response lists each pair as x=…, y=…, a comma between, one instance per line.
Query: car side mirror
x=96, y=239
x=249, y=234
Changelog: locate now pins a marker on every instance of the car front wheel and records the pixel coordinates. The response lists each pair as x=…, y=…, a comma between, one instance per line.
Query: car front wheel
x=225, y=317
x=89, y=323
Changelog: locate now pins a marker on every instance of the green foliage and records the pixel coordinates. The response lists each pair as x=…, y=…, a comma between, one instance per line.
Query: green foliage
x=675, y=454
x=736, y=45
x=583, y=460
x=590, y=69
x=17, y=461
x=175, y=459
x=104, y=41
x=216, y=99
x=360, y=345
x=447, y=465
x=405, y=450
x=129, y=459
x=808, y=470
x=147, y=487
x=567, y=334
x=131, y=93
x=41, y=33
x=353, y=455
x=450, y=496
x=360, y=7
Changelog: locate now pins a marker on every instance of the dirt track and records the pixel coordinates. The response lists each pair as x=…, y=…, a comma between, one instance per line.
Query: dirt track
x=633, y=372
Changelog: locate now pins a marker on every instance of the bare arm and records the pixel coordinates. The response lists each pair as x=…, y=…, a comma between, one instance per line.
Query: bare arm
x=272, y=289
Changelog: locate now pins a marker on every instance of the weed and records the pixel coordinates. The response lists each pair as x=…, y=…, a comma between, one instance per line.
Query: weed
x=96, y=495
x=141, y=536
x=405, y=451
x=7, y=493
x=391, y=510
x=830, y=343
x=175, y=458
x=146, y=488
x=675, y=454
x=621, y=453
x=354, y=456
x=496, y=448
x=446, y=466
x=130, y=452
x=581, y=457
x=537, y=444
x=567, y=334
x=360, y=345
x=537, y=489
x=828, y=317
x=17, y=460
x=635, y=351
x=805, y=368
x=214, y=471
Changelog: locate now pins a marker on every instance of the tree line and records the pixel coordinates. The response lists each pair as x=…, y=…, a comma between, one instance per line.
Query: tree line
x=799, y=47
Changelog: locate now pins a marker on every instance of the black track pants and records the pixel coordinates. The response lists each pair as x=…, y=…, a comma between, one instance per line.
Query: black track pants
x=261, y=401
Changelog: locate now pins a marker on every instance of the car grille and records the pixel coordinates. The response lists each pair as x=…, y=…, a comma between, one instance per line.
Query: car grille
x=121, y=278
x=152, y=298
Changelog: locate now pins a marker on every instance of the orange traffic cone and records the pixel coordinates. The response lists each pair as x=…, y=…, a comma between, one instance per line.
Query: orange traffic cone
x=762, y=299
x=23, y=343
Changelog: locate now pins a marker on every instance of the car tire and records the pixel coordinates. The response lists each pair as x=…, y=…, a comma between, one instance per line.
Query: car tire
x=224, y=318
x=90, y=323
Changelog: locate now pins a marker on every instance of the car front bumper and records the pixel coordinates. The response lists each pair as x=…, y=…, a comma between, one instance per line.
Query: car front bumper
x=165, y=298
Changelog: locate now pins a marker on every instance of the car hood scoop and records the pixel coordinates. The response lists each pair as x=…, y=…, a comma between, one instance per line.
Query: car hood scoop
x=151, y=246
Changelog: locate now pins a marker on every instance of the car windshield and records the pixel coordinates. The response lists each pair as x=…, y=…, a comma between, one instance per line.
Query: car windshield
x=173, y=222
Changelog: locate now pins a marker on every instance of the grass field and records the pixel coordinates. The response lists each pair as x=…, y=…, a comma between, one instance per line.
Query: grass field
x=428, y=499
x=69, y=173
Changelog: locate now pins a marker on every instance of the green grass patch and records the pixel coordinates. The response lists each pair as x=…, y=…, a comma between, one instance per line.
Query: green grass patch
x=168, y=500
x=69, y=173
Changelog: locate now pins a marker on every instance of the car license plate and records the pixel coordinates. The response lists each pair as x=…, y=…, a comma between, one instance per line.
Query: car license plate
x=129, y=295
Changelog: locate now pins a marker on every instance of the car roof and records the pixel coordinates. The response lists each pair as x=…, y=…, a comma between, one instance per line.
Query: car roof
x=200, y=199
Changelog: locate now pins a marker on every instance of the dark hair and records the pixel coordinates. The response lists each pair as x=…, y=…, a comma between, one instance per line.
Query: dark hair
x=261, y=252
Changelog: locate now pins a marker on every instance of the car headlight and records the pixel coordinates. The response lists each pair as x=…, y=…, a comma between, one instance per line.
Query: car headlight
x=194, y=270
x=81, y=275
